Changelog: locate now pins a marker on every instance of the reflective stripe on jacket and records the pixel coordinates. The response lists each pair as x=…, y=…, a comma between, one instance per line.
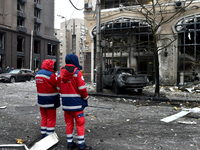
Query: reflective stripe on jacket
x=48, y=96
x=72, y=88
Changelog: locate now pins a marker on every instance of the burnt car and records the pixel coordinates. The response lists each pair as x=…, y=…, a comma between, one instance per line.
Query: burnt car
x=124, y=79
x=17, y=75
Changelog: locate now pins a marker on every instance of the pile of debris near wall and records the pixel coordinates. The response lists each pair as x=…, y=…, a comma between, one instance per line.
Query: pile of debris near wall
x=190, y=91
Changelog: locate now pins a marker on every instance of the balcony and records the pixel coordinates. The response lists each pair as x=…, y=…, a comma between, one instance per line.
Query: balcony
x=22, y=1
x=38, y=6
x=37, y=33
x=21, y=14
x=36, y=56
x=21, y=29
x=38, y=20
x=20, y=54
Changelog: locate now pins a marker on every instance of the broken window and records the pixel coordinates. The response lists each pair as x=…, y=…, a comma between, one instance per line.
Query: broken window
x=188, y=47
x=37, y=47
x=20, y=62
x=20, y=22
x=2, y=41
x=37, y=27
x=36, y=62
x=20, y=44
x=127, y=42
x=51, y=49
x=2, y=60
x=106, y=4
x=37, y=13
x=20, y=6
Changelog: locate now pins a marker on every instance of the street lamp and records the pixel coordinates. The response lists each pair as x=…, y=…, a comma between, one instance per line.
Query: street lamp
x=65, y=32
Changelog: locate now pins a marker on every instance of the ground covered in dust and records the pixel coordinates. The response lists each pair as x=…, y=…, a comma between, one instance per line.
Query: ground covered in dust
x=111, y=123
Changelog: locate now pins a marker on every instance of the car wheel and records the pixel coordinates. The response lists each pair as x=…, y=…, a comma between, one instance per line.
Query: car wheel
x=12, y=80
x=31, y=79
x=115, y=89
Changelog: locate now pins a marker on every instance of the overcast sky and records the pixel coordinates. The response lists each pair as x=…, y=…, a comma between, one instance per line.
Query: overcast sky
x=65, y=8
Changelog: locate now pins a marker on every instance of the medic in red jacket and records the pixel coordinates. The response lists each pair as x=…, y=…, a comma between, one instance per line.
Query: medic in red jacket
x=48, y=96
x=74, y=100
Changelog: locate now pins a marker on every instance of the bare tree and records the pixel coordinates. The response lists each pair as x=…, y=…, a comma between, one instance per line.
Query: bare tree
x=157, y=13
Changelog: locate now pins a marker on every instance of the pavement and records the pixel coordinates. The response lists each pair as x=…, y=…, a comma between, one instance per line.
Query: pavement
x=112, y=123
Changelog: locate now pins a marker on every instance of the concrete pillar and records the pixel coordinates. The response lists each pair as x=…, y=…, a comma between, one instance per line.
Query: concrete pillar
x=133, y=63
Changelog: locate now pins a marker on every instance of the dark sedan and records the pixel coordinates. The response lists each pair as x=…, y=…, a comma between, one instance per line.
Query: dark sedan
x=17, y=75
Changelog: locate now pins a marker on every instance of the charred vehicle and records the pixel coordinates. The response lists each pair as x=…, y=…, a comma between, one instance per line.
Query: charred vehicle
x=123, y=79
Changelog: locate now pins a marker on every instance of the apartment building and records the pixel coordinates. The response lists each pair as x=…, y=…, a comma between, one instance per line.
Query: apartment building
x=27, y=33
x=126, y=39
x=71, y=37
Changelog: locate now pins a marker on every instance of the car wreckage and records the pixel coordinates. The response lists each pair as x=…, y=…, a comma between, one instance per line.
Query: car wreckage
x=124, y=79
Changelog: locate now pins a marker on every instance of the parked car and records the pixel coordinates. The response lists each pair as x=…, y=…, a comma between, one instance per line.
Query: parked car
x=18, y=75
x=123, y=79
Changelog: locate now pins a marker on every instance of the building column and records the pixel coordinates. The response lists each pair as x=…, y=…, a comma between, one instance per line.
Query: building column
x=167, y=61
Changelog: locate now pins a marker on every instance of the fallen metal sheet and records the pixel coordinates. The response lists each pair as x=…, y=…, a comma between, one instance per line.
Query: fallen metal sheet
x=14, y=147
x=46, y=142
x=175, y=116
x=2, y=107
x=184, y=112
x=187, y=122
x=43, y=144
x=27, y=109
x=191, y=90
x=171, y=89
x=193, y=110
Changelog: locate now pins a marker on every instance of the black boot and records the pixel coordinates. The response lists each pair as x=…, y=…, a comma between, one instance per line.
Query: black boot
x=86, y=148
x=71, y=147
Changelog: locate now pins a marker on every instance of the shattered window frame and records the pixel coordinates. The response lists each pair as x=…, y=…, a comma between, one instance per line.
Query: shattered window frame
x=20, y=44
x=51, y=49
x=188, y=29
x=2, y=41
x=125, y=36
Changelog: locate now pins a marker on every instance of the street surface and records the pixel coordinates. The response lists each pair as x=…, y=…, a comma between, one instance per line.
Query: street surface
x=111, y=123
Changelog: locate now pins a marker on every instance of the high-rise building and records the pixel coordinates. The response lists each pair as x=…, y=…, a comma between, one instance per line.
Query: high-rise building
x=27, y=34
x=72, y=37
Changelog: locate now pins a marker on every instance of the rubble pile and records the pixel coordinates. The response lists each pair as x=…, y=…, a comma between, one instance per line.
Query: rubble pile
x=189, y=92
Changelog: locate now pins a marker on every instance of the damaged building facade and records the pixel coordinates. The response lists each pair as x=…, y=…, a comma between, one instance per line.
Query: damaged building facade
x=126, y=40
x=27, y=33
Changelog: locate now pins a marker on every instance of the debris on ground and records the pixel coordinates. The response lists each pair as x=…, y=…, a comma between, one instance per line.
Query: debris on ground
x=189, y=85
x=187, y=122
x=184, y=112
x=20, y=141
x=2, y=107
x=43, y=144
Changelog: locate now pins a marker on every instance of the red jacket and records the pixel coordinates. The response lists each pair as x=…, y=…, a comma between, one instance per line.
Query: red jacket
x=72, y=88
x=46, y=82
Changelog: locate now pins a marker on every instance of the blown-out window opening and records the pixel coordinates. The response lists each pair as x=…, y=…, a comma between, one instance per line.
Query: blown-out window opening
x=188, y=29
x=127, y=42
